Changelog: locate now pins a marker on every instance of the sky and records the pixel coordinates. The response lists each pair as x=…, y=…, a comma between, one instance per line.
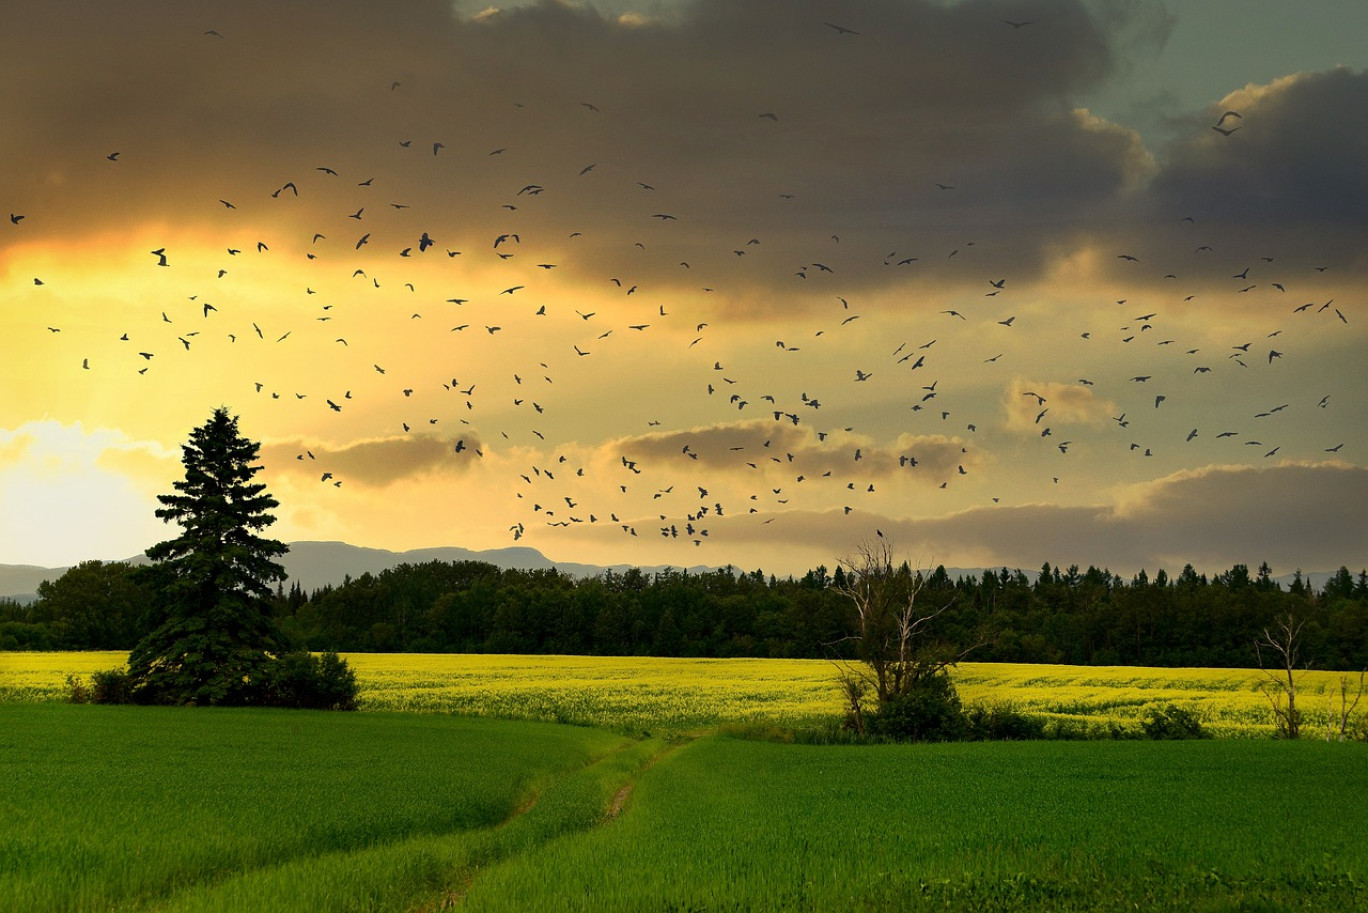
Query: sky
x=695, y=282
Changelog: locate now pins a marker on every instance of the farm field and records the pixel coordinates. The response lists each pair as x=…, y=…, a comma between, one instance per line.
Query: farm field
x=651, y=693
x=215, y=810
x=756, y=826
x=179, y=809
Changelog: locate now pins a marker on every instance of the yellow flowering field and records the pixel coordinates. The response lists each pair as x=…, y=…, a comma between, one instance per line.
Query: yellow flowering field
x=653, y=692
x=632, y=691
x=1228, y=701
x=42, y=676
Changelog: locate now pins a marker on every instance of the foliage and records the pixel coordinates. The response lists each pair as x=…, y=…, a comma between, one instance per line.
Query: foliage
x=77, y=690
x=929, y=711
x=111, y=686
x=106, y=686
x=892, y=630
x=213, y=635
x=1059, y=617
x=1002, y=723
x=1056, y=616
x=94, y=605
x=301, y=679
x=1170, y=721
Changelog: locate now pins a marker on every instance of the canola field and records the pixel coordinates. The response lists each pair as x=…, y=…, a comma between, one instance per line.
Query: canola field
x=652, y=693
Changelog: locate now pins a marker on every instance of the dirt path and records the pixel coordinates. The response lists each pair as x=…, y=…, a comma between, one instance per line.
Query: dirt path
x=620, y=798
x=455, y=896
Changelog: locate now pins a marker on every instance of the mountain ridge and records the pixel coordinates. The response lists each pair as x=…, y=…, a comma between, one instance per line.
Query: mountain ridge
x=314, y=564
x=317, y=563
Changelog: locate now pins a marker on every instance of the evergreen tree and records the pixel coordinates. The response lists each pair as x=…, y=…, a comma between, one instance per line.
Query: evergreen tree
x=213, y=635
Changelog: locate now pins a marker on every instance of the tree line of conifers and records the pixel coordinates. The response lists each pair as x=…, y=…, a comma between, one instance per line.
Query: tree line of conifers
x=1087, y=618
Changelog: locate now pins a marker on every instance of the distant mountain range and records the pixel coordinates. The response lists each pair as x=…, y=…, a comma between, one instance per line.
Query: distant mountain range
x=315, y=564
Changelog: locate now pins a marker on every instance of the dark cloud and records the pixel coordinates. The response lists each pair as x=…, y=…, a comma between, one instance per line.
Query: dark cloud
x=1292, y=516
x=864, y=126
x=864, y=129
x=629, y=146
x=736, y=446
x=1292, y=170
x=375, y=463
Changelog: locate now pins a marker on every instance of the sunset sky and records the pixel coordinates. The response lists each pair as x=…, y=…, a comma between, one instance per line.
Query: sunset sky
x=696, y=281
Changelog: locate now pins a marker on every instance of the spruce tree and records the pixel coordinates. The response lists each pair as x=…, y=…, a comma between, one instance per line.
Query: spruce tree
x=212, y=636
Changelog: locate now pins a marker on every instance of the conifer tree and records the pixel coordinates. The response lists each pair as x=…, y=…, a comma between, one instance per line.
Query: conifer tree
x=212, y=635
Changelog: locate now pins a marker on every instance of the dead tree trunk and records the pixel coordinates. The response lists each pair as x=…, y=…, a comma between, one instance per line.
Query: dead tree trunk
x=1341, y=719
x=1282, y=643
x=892, y=629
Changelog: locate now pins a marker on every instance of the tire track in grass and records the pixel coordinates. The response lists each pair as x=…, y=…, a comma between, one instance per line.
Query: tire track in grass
x=624, y=793
x=425, y=872
x=592, y=796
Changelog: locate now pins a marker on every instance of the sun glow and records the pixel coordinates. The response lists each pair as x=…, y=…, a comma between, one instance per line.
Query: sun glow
x=68, y=491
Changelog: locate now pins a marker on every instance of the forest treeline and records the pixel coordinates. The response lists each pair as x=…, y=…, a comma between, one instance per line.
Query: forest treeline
x=1070, y=616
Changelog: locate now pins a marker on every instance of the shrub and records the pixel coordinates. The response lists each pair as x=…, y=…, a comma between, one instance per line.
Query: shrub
x=111, y=686
x=77, y=691
x=1001, y=722
x=929, y=712
x=304, y=681
x=107, y=686
x=1173, y=722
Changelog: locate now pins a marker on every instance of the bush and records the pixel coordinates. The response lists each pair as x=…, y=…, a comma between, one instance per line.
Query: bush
x=1001, y=723
x=929, y=712
x=1173, y=722
x=108, y=686
x=303, y=681
x=111, y=686
x=296, y=680
x=77, y=690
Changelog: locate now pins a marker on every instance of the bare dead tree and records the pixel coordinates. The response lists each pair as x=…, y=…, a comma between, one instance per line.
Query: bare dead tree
x=1340, y=720
x=894, y=645
x=1282, y=643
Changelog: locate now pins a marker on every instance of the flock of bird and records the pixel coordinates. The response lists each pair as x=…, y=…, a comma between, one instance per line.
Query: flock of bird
x=665, y=479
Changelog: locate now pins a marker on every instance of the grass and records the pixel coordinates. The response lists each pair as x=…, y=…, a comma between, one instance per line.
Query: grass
x=124, y=806
x=213, y=810
x=755, y=826
x=650, y=693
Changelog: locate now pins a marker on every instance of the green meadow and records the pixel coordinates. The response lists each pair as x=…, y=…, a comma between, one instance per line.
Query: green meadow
x=129, y=808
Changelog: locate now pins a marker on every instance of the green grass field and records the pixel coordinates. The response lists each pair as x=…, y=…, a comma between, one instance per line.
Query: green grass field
x=732, y=825
x=172, y=809
x=127, y=807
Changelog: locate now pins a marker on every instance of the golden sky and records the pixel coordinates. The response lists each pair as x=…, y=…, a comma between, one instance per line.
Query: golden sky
x=693, y=282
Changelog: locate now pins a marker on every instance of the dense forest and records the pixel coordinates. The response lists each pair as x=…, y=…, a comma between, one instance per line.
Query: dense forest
x=1087, y=617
